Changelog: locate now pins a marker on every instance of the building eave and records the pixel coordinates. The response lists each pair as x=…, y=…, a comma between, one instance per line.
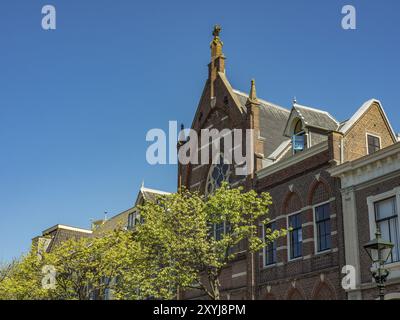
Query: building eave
x=357, y=164
x=64, y=227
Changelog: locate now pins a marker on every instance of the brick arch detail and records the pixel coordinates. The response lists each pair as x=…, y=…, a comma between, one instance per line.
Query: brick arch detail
x=295, y=294
x=314, y=186
x=269, y=296
x=290, y=196
x=323, y=290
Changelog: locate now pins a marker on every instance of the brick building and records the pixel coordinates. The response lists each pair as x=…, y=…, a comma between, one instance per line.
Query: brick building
x=371, y=196
x=294, y=153
x=328, y=179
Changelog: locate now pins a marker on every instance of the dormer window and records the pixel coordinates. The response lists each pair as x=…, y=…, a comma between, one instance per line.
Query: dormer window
x=299, y=137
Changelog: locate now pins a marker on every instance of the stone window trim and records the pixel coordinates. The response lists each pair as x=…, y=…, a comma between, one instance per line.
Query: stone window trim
x=375, y=136
x=371, y=200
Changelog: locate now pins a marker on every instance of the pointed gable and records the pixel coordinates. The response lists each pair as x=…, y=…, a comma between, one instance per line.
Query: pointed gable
x=369, y=120
x=311, y=117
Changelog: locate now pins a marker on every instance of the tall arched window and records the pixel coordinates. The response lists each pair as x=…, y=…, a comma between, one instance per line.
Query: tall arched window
x=217, y=174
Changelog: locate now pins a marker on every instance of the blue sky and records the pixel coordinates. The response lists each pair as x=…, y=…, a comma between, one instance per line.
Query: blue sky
x=76, y=103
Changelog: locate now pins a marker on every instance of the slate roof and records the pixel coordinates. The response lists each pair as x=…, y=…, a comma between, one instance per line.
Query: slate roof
x=61, y=233
x=273, y=119
x=316, y=118
x=118, y=221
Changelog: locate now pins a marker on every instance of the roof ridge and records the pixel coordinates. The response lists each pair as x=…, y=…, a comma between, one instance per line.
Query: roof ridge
x=66, y=227
x=261, y=100
x=154, y=190
x=317, y=110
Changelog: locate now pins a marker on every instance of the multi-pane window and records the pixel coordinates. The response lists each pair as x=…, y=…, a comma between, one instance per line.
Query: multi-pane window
x=270, y=248
x=374, y=144
x=323, y=227
x=218, y=173
x=386, y=219
x=295, y=236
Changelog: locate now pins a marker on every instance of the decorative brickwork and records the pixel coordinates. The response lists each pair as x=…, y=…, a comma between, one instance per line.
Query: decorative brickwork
x=320, y=193
x=292, y=203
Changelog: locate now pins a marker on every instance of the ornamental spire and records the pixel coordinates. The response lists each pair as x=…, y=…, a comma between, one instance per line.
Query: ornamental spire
x=253, y=93
x=216, y=44
x=217, y=63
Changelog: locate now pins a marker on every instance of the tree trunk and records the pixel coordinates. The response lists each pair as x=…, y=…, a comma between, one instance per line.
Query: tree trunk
x=215, y=288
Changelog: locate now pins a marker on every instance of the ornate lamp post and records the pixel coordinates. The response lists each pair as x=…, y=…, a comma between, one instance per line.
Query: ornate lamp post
x=379, y=251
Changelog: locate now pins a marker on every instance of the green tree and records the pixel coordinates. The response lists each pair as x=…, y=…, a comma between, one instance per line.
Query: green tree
x=87, y=267
x=176, y=246
x=22, y=279
x=177, y=243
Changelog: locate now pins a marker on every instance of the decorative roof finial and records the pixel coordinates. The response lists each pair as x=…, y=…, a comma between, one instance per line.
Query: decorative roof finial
x=217, y=30
x=142, y=186
x=294, y=100
x=216, y=44
x=253, y=93
x=182, y=136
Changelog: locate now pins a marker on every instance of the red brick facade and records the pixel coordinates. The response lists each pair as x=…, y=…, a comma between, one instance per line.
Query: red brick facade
x=298, y=183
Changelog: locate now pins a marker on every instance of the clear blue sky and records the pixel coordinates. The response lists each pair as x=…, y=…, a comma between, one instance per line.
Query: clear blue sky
x=76, y=103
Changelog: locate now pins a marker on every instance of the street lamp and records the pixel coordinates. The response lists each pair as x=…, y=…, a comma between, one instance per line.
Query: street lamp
x=379, y=251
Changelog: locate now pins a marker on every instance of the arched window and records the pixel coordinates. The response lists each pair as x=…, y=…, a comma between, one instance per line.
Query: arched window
x=217, y=174
x=299, y=137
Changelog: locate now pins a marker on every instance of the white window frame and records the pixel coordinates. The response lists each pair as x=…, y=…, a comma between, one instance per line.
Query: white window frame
x=372, y=135
x=264, y=249
x=394, y=267
x=316, y=252
x=288, y=237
